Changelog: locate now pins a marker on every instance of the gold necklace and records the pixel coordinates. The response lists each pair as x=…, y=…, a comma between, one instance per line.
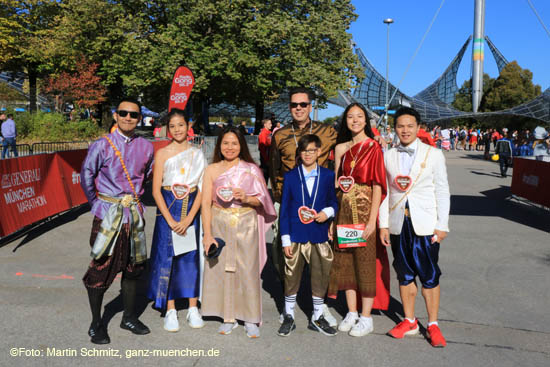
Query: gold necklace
x=354, y=160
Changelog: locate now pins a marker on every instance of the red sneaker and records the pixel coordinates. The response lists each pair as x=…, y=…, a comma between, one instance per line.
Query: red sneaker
x=405, y=327
x=436, y=338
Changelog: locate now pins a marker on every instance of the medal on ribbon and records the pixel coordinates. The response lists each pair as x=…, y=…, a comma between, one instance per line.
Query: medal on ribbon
x=403, y=182
x=346, y=183
x=306, y=215
x=180, y=190
x=225, y=193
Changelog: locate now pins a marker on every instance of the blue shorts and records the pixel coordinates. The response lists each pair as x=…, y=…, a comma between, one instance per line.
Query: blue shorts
x=415, y=256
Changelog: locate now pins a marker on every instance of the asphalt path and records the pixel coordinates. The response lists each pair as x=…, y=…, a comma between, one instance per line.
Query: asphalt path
x=494, y=306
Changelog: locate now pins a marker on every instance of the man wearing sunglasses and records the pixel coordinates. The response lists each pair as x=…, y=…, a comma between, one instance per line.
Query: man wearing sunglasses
x=113, y=175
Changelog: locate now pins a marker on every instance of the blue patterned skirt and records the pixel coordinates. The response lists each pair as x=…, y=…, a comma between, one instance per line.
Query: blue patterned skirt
x=173, y=277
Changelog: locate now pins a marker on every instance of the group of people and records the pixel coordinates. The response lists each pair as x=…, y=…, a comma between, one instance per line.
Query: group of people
x=338, y=221
x=476, y=139
x=9, y=134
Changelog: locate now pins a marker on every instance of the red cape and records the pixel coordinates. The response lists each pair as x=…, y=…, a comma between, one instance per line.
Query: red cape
x=425, y=137
x=370, y=169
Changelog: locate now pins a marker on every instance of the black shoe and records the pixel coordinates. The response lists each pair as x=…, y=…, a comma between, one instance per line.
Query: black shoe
x=322, y=325
x=99, y=335
x=287, y=326
x=134, y=325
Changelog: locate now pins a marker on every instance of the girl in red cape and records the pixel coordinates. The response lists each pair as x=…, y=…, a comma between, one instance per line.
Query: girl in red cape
x=363, y=272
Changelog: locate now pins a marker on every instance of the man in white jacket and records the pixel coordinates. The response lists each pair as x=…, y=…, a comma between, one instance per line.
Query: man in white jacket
x=414, y=221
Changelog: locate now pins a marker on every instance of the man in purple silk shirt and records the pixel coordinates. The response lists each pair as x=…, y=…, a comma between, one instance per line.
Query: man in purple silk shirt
x=113, y=175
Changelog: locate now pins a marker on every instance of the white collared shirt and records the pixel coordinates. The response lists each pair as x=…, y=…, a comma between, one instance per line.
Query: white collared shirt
x=405, y=160
x=126, y=139
x=310, y=178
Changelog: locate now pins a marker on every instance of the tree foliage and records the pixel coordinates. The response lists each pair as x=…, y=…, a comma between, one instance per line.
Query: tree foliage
x=513, y=87
x=240, y=51
x=463, y=98
x=82, y=87
x=24, y=38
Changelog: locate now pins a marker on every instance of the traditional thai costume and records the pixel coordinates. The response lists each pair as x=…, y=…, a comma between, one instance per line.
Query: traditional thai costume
x=173, y=276
x=112, y=177
x=364, y=269
x=118, y=237
x=232, y=288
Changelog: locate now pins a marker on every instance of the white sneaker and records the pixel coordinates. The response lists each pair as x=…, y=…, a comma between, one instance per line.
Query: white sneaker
x=348, y=322
x=252, y=330
x=227, y=327
x=171, y=323
x=328, y=316
x=194, y=318
x=363, y=327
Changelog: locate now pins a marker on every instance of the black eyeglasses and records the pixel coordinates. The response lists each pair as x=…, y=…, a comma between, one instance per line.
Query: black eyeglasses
x=301, y=104
x=124, y=113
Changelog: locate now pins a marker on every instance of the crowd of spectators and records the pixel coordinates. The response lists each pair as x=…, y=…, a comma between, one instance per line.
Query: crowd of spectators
x=476, y=139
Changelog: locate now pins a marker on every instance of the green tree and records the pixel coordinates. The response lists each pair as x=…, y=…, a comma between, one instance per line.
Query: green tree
x=240, y=51
x=24, y=29
x=513, y=87
x=463, y=98
x=331, y=120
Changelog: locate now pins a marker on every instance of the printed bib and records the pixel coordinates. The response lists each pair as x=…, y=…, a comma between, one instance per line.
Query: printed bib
x=350, y=235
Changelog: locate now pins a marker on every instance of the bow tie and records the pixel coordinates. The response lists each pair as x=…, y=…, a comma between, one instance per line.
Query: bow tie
x=409, y=151
x=311, y=174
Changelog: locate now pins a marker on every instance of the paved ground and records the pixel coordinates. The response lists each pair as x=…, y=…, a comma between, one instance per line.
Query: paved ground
x=494, y=308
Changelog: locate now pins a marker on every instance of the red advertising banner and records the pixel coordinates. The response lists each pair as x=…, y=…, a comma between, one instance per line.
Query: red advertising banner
x=69, y=164
x=182, y=84
x=160, y=144
x=36, y=187
x=531, y=180
x=29, y=191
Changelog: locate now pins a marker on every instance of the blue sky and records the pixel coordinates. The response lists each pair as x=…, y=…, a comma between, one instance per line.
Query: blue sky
x=510, y=24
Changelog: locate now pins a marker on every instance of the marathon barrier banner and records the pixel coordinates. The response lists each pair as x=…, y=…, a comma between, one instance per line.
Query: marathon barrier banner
x=531, y=180
x=69, y=163
x=31, y=189
x=34, y=188
x=182, y=84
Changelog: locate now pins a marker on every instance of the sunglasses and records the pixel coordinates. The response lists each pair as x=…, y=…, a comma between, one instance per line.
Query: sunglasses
x=309, y=151
x=124, y=113
x=301, y=104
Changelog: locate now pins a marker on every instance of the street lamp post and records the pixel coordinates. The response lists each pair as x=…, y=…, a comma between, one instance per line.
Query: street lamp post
x=388, y=21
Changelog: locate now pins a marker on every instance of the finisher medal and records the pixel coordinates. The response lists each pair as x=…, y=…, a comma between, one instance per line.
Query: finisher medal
x=306, y=214
x=346, y=183
x=180, y=191
x=225, y=193
x=403, y=182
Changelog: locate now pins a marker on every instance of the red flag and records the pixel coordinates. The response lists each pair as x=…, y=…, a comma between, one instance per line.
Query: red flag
x=182, y=84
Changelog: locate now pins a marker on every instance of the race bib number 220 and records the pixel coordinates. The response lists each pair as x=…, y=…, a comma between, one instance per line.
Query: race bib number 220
x=349, y=235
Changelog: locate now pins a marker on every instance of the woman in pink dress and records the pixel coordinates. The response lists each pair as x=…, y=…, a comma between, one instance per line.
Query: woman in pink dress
x=236, y=209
